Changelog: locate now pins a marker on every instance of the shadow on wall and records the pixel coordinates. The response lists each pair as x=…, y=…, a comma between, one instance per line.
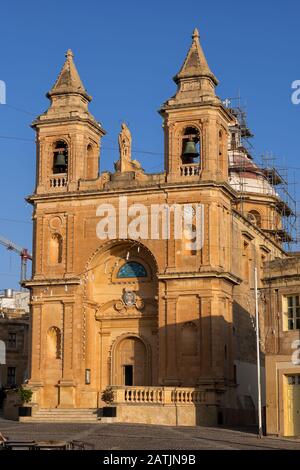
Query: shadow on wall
x=198, y=352
x=212, y=354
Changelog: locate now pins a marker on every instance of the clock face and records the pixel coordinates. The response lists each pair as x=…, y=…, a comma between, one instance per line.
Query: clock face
x=129, y=298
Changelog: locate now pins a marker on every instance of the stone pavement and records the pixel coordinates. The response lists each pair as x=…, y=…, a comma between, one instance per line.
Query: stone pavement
x=136, y=437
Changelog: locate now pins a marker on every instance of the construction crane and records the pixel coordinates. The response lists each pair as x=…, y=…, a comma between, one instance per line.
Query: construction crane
x=22, y=252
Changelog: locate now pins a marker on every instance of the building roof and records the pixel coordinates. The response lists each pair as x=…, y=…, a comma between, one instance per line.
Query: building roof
x=195, y=64
x=69, y=81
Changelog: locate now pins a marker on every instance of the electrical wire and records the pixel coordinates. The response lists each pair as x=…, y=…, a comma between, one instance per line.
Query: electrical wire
x=146, y=152
x=15, y=221
x=20, y=109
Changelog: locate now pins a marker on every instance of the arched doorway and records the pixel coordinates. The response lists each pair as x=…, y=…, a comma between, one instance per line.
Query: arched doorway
x=121, y=283
x=130, y=361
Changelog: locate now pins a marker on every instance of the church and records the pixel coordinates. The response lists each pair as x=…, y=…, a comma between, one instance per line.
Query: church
x=154, y=328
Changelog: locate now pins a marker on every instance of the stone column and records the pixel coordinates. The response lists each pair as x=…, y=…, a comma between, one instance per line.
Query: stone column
x=69, y=244
x=206, y=339
x=67, y=384
x=35, y=353
x=72, y=162
x=35, y=343
x=39, y=245
x=214, y=231
x=217, y=336
x=168, y=342
x=105, y=362
x=205, y=252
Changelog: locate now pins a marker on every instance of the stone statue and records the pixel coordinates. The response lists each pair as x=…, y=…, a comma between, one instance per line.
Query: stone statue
x=125, y=163
x=125, y=143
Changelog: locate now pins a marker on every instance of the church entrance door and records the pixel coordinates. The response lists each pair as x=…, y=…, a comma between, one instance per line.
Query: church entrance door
x=130, y=362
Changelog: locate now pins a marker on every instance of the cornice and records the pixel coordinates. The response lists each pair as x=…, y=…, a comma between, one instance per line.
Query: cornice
x=224, y=186
x=196, y=275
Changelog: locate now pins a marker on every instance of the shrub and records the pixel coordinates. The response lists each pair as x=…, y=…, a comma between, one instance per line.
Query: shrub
x=108, y=395
x=25, y=394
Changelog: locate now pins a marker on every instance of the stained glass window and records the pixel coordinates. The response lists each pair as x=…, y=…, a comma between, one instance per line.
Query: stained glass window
x=132, y=269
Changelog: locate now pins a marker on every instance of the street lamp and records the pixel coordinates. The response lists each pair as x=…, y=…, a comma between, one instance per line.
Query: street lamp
x=260, y=429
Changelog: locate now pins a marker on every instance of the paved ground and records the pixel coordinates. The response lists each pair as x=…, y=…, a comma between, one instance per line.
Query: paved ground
x=135, y=437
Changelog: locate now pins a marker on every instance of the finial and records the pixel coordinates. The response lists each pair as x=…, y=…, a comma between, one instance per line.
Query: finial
x=69, y=54
x=195, y=34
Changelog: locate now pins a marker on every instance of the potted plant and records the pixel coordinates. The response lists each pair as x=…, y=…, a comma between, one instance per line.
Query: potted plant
x=25, y=395
x=108, y=397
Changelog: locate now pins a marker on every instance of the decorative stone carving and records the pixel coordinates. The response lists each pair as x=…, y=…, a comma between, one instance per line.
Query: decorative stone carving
x=55, y=223
x=125, y=143
x=125, y=163
x=105, y=177
x=129, y=300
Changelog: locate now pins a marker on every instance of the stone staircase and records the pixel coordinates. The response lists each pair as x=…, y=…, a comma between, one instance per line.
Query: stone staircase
x=65, y=415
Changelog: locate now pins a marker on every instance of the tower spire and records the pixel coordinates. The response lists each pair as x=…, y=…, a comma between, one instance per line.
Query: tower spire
x=195, y=33
x=68, y=80
x=195, y=64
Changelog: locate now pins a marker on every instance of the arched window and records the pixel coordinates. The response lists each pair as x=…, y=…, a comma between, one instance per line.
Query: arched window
x=60, y=157
x=132, y=269
x=255, y=217
x=54, y=343
x=191, y=148
x=221, y=142
x=90, y=162
x=245, y=261
x=56, y=249
x=189, y=339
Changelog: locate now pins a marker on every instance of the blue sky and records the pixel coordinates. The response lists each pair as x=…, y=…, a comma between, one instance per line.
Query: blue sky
x=127, y=54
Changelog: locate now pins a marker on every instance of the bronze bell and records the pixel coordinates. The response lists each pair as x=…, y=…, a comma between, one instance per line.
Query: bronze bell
x=60, y=163
x=190, y=150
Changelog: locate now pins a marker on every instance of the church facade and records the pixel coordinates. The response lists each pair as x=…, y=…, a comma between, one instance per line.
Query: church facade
x=148, y=318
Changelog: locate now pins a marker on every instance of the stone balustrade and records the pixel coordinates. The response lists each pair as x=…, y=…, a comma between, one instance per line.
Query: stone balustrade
x=158, y=395
x=190, y=170
x=58, y=182
x=143, y=395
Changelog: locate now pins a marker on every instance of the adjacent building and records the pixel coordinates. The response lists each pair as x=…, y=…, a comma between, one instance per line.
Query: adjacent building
x=14, y=333
x=282, y=345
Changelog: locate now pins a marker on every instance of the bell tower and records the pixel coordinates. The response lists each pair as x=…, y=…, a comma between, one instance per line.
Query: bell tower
x=195, y=123
x=67, y=135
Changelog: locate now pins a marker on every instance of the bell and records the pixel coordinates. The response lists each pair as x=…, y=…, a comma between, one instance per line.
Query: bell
x=60, y=162
x=190, y=151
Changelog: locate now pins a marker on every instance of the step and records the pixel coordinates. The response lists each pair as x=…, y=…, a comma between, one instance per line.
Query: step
x=60, y=420
x=38, y=415
x=79, y=418
x=67, y=410
x=27, y=419
x=67, y=415
x=66, y=419
x=52, y=413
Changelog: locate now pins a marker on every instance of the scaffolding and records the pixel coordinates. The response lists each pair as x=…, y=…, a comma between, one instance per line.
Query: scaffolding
x=286, y=205
x=260, y=178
